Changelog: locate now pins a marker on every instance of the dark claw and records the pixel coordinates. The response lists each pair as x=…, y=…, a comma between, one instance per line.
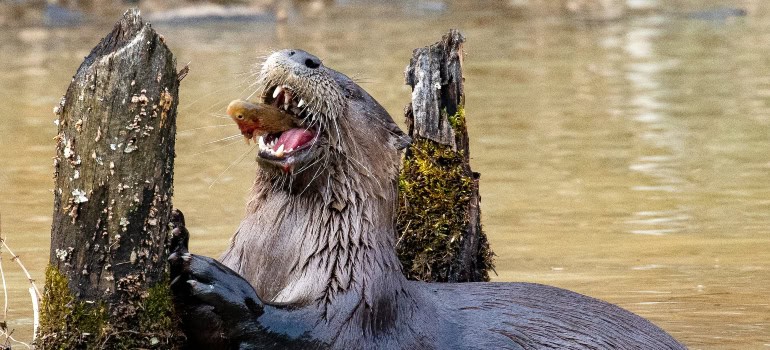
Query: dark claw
x=180, y=237
x=204, y=292
x=177, y=218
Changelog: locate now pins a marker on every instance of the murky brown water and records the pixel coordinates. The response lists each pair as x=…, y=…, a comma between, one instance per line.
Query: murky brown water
x=627, y=160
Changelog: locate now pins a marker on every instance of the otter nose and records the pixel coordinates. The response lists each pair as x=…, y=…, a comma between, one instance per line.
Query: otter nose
x=305, y=59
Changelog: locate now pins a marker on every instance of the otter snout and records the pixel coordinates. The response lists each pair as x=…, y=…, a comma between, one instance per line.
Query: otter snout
x=298, y=61
x=304, y=58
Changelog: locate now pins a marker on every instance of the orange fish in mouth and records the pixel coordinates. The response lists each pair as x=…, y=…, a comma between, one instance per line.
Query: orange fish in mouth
x=255, y=119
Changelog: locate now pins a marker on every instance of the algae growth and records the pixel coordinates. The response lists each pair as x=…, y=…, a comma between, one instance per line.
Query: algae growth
x=435, y=190
x=69, y=323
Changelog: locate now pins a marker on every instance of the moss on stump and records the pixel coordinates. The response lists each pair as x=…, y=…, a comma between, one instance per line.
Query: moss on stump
x=69, y=323
x=435, y=191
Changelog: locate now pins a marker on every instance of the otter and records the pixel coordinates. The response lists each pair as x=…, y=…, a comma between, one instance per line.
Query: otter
x=313, y=264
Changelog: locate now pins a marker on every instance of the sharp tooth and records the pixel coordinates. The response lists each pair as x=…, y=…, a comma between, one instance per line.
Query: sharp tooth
x=279, y=152
x=289, y=150
x=262, y=144
x=277, y=91
x=301, y=103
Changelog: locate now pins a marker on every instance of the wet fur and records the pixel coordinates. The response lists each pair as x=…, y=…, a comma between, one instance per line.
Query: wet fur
x=318, y=246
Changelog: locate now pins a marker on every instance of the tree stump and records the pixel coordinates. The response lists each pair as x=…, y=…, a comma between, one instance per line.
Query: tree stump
x=106, y=286
x=439, y=220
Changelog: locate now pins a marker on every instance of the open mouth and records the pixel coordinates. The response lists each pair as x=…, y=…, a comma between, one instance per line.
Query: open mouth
x=287, y=146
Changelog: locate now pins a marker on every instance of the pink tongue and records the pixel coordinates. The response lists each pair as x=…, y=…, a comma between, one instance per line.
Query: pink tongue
x=293, y=138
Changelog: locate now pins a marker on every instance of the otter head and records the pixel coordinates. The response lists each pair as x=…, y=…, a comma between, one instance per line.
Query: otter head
x=339, y=129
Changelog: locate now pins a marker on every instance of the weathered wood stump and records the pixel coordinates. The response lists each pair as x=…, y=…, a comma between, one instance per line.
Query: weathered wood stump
x=439, y=220
x=106, y=286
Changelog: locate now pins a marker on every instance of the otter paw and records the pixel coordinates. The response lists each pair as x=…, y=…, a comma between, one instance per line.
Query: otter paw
x=218, y=307
x=215, y=284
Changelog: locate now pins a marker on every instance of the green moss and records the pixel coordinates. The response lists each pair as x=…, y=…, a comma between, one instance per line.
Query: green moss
x=435, y=190
x=434, y=194
x=68, y=323
x=457, y=121
x=158, y=309
x=64, y=322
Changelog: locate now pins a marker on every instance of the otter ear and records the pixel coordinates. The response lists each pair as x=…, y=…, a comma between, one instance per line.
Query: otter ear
x=397, y=137
x=401, y=141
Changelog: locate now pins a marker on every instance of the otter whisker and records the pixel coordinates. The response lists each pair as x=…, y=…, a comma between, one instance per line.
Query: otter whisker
x=231, y=165
x=359, y=164
x=224, y=138
x=355, y=151
x=250, y=87
x=245, y=77
x=316, y=174
x=308, y=166
x=263, y=57
x=214, y=92
x=212, y=109
x=254, y=86
x=275, y=185
x=247, y=73
x=284, y=178
x=309, y=126
x=358, y=79
x=339, y=135
x=387, y=129
x=324, y=159
x=291, y=182
x=216, y=148
x=217, y=115
x=205, y=127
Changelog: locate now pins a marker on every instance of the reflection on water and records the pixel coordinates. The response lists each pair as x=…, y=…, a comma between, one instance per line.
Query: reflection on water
x=658, y=132
x=627, y=160
x=659, y=222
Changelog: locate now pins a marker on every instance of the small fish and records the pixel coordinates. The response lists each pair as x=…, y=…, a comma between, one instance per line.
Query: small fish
x=258, y=118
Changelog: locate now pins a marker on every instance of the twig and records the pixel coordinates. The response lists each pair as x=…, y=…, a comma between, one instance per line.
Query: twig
x=4, y=324
x=34, y=293
x=35, y=311
x=8, y=336
x=4, y=329
x=183, y=72
x=15, y=258
x=5, y=293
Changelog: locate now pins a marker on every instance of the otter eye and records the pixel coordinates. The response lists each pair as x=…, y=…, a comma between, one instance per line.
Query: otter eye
x=239, y=116
x=349, y=92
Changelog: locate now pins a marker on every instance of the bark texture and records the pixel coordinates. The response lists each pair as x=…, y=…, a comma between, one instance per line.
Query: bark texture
x=439, y=221
x=106, y=285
